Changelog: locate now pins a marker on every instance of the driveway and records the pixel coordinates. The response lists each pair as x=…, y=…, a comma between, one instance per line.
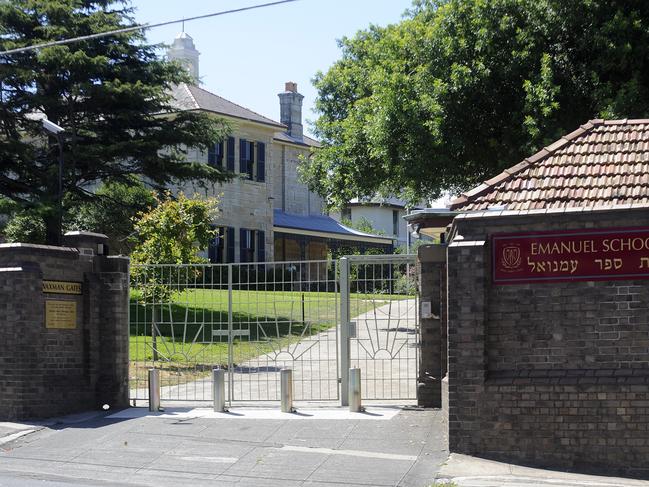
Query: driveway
x=385, y=349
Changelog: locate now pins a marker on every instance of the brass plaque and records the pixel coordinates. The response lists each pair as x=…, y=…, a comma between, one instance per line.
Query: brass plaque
x=61, y=287
x=60, y=314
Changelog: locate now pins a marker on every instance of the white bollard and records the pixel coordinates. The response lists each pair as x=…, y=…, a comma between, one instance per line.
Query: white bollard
x=286, y=390
x=355, y=390
x=154, y=390
x=218, y=388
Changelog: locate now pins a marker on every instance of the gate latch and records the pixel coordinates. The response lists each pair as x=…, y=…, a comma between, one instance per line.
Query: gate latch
x=352, y=329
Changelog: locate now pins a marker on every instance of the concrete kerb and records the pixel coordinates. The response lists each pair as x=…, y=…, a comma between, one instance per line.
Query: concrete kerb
x=468, y=471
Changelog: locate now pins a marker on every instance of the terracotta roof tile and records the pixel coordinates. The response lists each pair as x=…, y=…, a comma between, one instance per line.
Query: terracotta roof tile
x=602, y=163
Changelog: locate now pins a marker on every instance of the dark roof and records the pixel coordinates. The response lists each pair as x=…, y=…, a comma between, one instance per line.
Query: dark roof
x=306, y=141
x=602, y=163
x=189, y=97
x=318, y=223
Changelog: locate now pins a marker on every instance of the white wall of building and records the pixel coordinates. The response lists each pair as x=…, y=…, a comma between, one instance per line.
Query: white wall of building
x=381, y=218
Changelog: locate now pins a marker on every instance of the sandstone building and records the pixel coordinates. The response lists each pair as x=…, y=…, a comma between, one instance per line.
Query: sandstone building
x=266, y=212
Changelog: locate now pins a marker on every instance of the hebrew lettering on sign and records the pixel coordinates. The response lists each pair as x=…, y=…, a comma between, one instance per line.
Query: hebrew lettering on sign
x=581, y=254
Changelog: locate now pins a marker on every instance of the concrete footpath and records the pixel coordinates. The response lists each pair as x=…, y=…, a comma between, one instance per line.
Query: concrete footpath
x=317, y=447
x=248, y=447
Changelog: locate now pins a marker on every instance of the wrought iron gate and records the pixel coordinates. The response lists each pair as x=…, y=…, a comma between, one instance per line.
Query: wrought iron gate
x=255, y=319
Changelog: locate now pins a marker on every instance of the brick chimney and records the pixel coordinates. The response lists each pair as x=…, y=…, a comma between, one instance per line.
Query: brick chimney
x=290, y=110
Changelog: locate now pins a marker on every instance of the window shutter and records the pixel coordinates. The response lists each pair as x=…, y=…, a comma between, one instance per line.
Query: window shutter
x=230, y=157
x=243, y=156
x=243, y=250
x=261, y=246
x=229, y=241
x=211, y=155
x=261, y=161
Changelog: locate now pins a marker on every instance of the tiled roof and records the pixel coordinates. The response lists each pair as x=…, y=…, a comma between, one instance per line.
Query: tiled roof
x=189, y=97
x=319, y=223
x=602, y=163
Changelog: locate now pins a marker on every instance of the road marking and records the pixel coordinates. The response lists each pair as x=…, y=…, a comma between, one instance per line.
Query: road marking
x=351, y=453
x=211, y=459
x=15, y=436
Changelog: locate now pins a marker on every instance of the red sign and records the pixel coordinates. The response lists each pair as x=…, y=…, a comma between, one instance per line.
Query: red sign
x=571, y=255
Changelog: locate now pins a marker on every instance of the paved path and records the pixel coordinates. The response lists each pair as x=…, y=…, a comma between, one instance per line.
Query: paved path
x=385, y=349
x=317, y=448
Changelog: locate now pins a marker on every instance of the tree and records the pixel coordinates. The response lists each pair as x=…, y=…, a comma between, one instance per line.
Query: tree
x=172, y=232
x=113, y=213
x=110, y=94
x=26, y=227
x=461, y=89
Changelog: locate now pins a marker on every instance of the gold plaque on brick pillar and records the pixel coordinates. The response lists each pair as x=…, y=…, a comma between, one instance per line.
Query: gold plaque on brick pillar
x=60, y=314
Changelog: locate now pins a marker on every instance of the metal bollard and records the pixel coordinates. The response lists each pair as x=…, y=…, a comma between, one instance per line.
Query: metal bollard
x=218, y=388
x=154, y=390
x=286, y=390
x=355, y=390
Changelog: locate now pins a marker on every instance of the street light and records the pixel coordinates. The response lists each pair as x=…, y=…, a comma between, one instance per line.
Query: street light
x=57, y=131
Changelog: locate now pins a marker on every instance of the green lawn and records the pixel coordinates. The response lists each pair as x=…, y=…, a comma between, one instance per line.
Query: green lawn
x=187, y=324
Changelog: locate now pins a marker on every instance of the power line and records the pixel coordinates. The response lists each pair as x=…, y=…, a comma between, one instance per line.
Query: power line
x=141, y=27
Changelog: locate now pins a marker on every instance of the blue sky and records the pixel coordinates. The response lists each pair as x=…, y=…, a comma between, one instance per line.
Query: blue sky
x=246, y=57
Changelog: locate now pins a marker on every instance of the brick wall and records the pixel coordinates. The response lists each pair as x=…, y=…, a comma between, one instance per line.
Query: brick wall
x=431, y=262
x=50, y=372
x=552, y=374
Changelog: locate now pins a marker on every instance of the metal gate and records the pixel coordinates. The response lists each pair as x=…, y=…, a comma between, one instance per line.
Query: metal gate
x=381, y=339
x=255, y=319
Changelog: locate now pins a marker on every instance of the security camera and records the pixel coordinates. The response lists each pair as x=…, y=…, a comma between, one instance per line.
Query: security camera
x=51, y=127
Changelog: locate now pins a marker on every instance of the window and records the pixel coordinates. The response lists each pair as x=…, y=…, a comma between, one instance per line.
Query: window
x=246, y=245
x=254, y=168
x=215, y=251
x=252, y=245
x=261, y=161
x=221, y=247
x=395, y=223
x=346, y=214
x=215, y=155
x=246, y=157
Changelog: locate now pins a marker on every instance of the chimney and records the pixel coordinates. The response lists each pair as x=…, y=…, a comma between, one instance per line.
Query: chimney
x=290, y=110
x=183, y=50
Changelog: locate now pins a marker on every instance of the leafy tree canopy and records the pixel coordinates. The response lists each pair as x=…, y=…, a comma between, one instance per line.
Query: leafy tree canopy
x=110, y=94
x=174, y=231
x=113, y=213
x=461, y=89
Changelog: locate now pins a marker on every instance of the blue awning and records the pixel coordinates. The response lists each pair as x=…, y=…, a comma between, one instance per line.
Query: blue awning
x=323, y=224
